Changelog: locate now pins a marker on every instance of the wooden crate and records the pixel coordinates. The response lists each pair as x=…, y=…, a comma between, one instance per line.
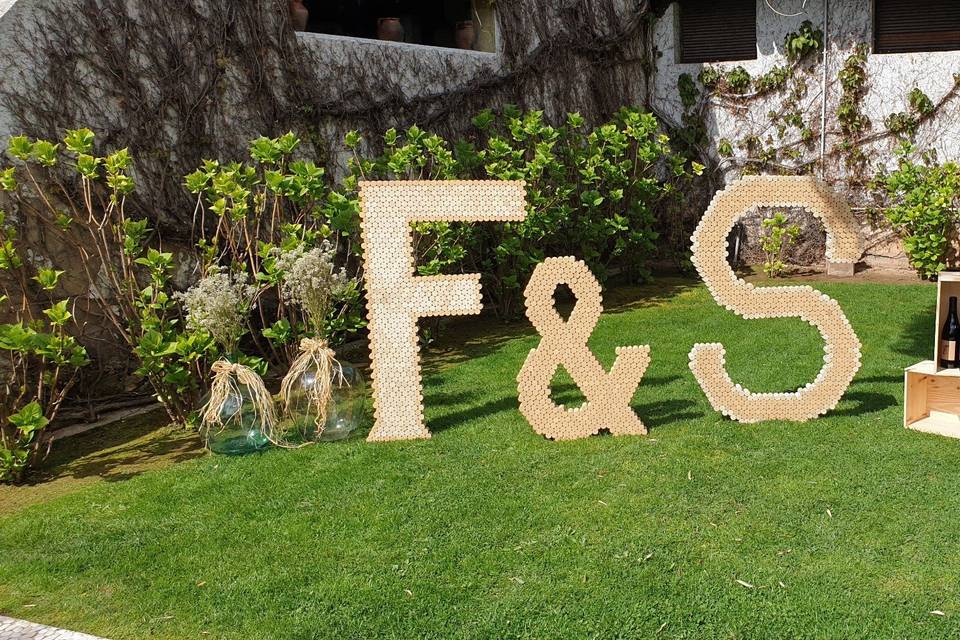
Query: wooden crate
x=932, y=399
x=931, y=396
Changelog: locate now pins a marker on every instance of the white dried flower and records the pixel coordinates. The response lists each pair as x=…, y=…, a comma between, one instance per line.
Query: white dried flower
x=219, y=304
x=311, y=280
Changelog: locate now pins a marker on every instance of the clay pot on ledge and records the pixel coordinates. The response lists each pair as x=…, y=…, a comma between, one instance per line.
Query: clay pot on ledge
x=466, y=35
x=390, y=29
x=298, y=15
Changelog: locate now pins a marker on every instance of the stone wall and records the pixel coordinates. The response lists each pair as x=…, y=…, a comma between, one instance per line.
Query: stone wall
x=583, y=56
x=181, y=80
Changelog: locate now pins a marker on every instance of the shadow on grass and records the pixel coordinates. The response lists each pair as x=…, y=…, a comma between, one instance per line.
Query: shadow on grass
x=663, y=412
x=879, y=379
x=653, y=414
x=477, y=336
x=866, y=402
x=653, y=294
x=916, y=338
x=457, y=417
x=121, y=451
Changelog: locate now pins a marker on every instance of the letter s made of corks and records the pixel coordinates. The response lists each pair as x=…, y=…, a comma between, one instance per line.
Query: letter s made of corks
x=841, y=359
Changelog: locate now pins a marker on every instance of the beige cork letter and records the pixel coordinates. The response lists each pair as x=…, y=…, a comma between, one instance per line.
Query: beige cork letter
x=607, y=395
x=841, y=359
x=396, y=298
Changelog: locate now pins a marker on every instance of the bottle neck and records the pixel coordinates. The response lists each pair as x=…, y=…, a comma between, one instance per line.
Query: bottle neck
x=953, y=305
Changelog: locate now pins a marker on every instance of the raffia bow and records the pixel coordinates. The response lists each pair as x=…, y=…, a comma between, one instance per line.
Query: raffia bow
x=228, y=378
x=314, y=355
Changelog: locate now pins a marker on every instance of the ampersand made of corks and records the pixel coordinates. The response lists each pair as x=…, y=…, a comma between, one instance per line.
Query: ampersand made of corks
x=608, y=395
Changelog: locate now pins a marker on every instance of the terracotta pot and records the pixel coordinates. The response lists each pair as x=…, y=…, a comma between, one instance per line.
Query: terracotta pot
x=465, y=36
x=390, y=29
x=298, y=15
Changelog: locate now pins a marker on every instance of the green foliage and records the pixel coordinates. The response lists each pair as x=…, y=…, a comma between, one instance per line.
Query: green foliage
x=923, y=206
x=276, y=203
x=902, y=123
x=906, y=123
x=710, y=77
x=133, y=284
x=800, y=44
x=24, y=425
x=589, y=193
x=853, y=122
x=851, y=119
x=738, y=80
x=171, y=358
x=776, y=237
x=79, y=141
x=8, y=179
x=38, y=358
x=733, y=81
x=772, y=80
x=853, y=75
x=687, y=88
x=920, y=103
x=48, y=278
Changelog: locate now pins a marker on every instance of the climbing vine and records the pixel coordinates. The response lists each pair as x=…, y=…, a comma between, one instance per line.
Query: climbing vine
x=176, y=81
x=778, y=122
x=784, y=141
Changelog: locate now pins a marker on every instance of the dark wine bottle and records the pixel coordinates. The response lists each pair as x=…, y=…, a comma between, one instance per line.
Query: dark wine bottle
x=950, y=337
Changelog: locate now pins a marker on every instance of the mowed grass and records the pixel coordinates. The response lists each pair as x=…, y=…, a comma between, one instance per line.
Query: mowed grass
x=846, y=526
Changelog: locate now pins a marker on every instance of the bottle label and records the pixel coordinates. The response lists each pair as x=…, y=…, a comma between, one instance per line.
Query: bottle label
x=948, y=350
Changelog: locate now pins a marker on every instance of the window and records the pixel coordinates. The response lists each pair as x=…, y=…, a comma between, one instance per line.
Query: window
x=714, y=30
x=901, y=26
x=461, y=24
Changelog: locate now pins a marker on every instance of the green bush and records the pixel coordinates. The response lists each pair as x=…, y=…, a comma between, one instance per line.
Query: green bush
x=81, y=196
x=776, y=237
x=590, y=193
x=40, y=359
x=270, y=205
x=593, y=193
x=923, y=199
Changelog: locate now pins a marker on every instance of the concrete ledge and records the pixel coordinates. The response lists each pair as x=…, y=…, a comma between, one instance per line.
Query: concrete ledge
x=13, y=629
x=309, y=37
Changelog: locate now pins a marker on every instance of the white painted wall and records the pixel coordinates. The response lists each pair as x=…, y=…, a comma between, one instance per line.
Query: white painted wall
x=890, y=76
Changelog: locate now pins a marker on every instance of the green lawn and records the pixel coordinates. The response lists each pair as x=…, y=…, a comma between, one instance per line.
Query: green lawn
x=843, y=527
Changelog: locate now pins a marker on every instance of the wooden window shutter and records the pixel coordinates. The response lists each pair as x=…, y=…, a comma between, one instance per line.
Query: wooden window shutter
x=714, y=30
x=902, y=26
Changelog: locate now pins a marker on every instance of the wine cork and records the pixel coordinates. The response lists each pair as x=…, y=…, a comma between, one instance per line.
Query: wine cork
x=564, y=343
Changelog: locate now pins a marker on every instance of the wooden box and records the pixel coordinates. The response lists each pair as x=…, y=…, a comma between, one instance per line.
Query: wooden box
x=931, y=397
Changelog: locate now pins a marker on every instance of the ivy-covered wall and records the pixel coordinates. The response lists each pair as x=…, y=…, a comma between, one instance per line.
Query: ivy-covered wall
x=764, y=115
x=177, y=81
x=182, y=80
